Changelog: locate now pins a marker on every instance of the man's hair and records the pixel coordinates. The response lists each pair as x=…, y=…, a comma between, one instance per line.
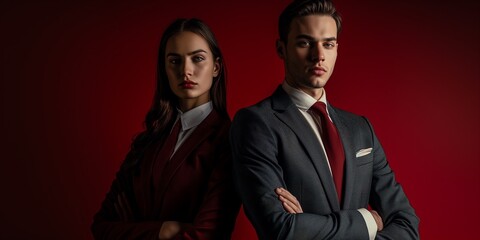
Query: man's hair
x=301, y=8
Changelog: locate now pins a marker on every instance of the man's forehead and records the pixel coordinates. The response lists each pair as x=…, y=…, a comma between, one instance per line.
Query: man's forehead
x=313, y=25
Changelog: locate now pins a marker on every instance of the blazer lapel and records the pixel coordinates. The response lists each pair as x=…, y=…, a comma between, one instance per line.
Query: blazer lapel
x=289, y=114
x=349, y=174
x=143, y=180
x=201, y=132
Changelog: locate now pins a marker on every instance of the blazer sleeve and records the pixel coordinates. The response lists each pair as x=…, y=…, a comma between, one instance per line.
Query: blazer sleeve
x=220, y=206
x=389, y=200
x=108, y=225
x=257, y=173
x=215, y=218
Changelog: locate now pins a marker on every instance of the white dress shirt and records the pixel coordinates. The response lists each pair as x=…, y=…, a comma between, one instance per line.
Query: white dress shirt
x=190, y=120
x=303, y=101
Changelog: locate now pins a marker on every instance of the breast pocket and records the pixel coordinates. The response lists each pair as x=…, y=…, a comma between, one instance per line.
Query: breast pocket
x=364, y=160
x=363, y=179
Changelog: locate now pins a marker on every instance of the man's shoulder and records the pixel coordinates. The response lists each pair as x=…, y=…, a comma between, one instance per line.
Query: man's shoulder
x=263, y=104
x=350, y=119
x=258, y=109
x=262, y=111
x=345, y=113
x=278, y=100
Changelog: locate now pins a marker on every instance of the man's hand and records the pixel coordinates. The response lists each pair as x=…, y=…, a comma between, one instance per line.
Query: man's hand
x=378, y=220
x=289, y=202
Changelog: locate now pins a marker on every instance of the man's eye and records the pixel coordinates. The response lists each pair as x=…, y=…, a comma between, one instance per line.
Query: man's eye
x=329, y=45
x=303, y=44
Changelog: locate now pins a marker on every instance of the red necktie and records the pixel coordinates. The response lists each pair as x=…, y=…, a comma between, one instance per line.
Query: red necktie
x=333, y=145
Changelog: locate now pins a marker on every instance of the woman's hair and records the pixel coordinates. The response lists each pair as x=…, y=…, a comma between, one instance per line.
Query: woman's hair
x=162, y=113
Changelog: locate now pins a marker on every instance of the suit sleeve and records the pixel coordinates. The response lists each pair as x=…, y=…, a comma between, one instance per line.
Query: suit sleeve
x=257, y=173
x=389, y=200
x=107, y=224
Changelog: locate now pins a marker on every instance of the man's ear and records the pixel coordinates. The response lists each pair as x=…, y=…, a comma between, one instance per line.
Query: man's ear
x=280, y=46
x=216, y=67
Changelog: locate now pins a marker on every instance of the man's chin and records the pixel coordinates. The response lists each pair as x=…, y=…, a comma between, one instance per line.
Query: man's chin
x=318, y=83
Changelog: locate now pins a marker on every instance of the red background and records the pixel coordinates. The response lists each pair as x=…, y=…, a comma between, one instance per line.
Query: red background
x=77, y=79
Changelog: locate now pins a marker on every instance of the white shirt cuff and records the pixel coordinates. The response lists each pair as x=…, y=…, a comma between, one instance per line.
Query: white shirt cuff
x=370, y=221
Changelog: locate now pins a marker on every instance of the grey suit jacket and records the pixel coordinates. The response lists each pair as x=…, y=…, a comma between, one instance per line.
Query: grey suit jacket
x=274, y=146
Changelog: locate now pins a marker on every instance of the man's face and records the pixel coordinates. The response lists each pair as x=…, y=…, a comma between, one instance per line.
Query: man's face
x=310, y=53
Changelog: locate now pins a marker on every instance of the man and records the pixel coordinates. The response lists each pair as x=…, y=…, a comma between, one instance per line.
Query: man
x=303, y=168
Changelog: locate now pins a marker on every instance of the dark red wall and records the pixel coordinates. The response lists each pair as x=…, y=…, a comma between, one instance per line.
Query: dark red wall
x=77, y=79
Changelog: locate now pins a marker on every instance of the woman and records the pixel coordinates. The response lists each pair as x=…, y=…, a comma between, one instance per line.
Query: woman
x=175, y=182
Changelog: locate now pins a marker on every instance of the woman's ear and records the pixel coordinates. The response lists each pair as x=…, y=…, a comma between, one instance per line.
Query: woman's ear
x=216, y=67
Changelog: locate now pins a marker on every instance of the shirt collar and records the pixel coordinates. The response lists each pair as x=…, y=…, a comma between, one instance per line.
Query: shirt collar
x=195, y=116
x=301, y=99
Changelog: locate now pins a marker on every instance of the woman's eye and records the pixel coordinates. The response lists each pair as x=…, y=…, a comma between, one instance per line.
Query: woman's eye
x=198, y=58
x=174, y=61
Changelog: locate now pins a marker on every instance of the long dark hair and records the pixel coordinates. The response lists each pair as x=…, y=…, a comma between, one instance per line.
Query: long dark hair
x=162, y=113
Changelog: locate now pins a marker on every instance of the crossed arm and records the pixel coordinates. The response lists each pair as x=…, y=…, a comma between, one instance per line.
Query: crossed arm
x=292, y=205
x=168, y=229
x=257, y=147
x=118, y=217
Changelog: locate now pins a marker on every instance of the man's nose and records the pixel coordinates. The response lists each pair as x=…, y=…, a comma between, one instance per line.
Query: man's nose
x=317, y=53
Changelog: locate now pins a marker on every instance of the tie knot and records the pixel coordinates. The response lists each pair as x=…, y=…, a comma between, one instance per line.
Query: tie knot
x=319, y=108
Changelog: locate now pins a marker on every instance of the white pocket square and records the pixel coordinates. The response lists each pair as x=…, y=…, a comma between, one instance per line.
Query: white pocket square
x=363, y=152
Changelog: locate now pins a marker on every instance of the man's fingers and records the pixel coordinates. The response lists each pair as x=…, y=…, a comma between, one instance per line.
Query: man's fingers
x=289, y=200
x=289, y=206
x=378, y=220
x=286, y=194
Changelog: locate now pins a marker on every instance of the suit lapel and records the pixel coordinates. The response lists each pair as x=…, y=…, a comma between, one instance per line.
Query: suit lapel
x=289, y=114
x=349, y=174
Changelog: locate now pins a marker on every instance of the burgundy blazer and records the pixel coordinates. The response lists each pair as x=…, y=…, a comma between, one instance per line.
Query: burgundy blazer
x=195, y=187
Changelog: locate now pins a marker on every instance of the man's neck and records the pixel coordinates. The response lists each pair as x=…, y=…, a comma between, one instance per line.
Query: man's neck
x=316, y=93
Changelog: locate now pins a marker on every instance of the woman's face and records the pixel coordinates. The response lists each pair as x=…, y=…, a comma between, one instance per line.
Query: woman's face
x=190, y=68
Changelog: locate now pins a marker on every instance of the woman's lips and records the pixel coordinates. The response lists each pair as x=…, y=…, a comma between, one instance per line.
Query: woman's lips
x=187, y=84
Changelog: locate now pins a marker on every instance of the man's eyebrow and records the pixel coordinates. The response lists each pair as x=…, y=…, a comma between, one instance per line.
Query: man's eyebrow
x=304, y=36
x=330, y=39
x=190, y=53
